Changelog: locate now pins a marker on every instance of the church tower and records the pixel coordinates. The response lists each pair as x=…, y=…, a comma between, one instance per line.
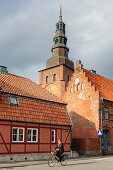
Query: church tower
x=59, y=68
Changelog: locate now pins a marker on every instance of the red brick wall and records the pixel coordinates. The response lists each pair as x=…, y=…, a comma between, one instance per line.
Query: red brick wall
x=27, y=107
x=108, y=124
x=58, y=88
x=83, y=106
x=44, y=139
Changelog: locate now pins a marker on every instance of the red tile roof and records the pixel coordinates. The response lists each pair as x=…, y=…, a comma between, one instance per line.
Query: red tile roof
x=30, y=110
x=103, y=84
x=14, y=84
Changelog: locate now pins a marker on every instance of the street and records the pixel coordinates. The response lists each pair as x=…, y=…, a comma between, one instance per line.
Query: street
x=86, y=164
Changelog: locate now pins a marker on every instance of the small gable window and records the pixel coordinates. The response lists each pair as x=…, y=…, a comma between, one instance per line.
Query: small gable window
x=47, y=79
x=68, y=77
x=53, y=136
x=106, y=113
x=54, y=77
x=13, y=100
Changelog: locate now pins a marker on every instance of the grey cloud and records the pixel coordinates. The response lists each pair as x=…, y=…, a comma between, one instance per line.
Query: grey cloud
x=27, y=29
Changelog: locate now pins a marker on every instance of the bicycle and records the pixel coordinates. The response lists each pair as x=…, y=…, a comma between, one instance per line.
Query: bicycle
x=53, y=159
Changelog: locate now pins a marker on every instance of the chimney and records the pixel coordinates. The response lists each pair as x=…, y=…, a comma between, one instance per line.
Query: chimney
x=3, y=70
x=93, y=72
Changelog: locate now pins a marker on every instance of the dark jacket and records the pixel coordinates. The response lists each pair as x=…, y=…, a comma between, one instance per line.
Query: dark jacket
x=60, y=147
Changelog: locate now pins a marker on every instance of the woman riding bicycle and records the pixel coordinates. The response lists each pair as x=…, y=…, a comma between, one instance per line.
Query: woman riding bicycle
x=59, y=149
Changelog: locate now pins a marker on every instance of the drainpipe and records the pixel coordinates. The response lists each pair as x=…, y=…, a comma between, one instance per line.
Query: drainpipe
x=101, y=101
x=70, y=134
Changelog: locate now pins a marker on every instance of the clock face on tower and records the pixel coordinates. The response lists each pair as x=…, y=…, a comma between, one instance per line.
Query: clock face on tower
x=66, y=53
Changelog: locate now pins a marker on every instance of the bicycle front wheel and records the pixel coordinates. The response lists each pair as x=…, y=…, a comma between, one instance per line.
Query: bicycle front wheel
x=64, y=160
x=52, y=161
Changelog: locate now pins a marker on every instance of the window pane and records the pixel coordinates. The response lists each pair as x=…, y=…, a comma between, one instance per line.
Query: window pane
x=29, y=135
x=34, y=132
x=53, y=136
x=34, y=138
x=106, y=113
x=20, y=137
x=15, y=131
x=20, y=131
x=13, y=100
x=14, y=137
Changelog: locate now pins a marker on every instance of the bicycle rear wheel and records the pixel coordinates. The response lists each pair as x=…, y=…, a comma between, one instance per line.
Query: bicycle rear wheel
x=52, y=161
x=64, y=160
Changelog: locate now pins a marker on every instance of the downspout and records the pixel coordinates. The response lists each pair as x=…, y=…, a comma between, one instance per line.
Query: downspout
x=70, y=132
x=101, y=101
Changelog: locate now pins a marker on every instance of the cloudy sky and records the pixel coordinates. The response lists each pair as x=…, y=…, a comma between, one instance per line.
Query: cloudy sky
x=27, y=28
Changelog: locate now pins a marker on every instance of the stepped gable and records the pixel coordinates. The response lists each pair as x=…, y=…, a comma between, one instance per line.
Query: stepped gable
x=103, y=84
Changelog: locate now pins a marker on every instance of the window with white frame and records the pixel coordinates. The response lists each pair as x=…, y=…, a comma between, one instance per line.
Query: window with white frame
x=106, y=113
x=18, y=134
x=53, y=136
x=32, y=135
x=13, y=100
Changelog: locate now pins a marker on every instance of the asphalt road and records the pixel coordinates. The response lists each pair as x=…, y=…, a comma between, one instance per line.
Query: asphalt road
x=87, y=164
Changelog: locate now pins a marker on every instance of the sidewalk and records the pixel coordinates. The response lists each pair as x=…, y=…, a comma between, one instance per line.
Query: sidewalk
x=31, y=163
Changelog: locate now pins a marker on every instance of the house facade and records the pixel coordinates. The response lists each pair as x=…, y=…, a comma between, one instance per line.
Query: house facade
x=89, y=97
x=31, y=118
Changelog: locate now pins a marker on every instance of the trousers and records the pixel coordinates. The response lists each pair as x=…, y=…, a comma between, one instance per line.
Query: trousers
x=58, y=154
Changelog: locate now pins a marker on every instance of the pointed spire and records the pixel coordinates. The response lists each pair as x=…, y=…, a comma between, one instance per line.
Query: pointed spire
x=60, y=8
x=60, y=17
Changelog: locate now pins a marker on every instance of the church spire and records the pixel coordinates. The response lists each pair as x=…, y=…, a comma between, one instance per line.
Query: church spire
x=60, y=17
x=60, y=8
x=60, y=50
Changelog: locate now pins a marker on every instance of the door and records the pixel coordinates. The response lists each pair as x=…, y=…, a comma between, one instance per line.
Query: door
x=105, y=141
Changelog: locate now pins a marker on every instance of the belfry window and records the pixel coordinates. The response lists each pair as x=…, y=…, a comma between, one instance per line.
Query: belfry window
x=56, y=40
x=60, y=40
x=64, y=27
x=54, y=77
x=47, y=79
x=68, y=77
x=57, y=26
x=60, y=26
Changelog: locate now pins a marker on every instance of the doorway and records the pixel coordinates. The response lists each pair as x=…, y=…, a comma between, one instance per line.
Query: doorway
x=105, y=140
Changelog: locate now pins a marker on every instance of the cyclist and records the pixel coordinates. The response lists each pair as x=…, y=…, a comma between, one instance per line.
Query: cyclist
x=59, y=149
